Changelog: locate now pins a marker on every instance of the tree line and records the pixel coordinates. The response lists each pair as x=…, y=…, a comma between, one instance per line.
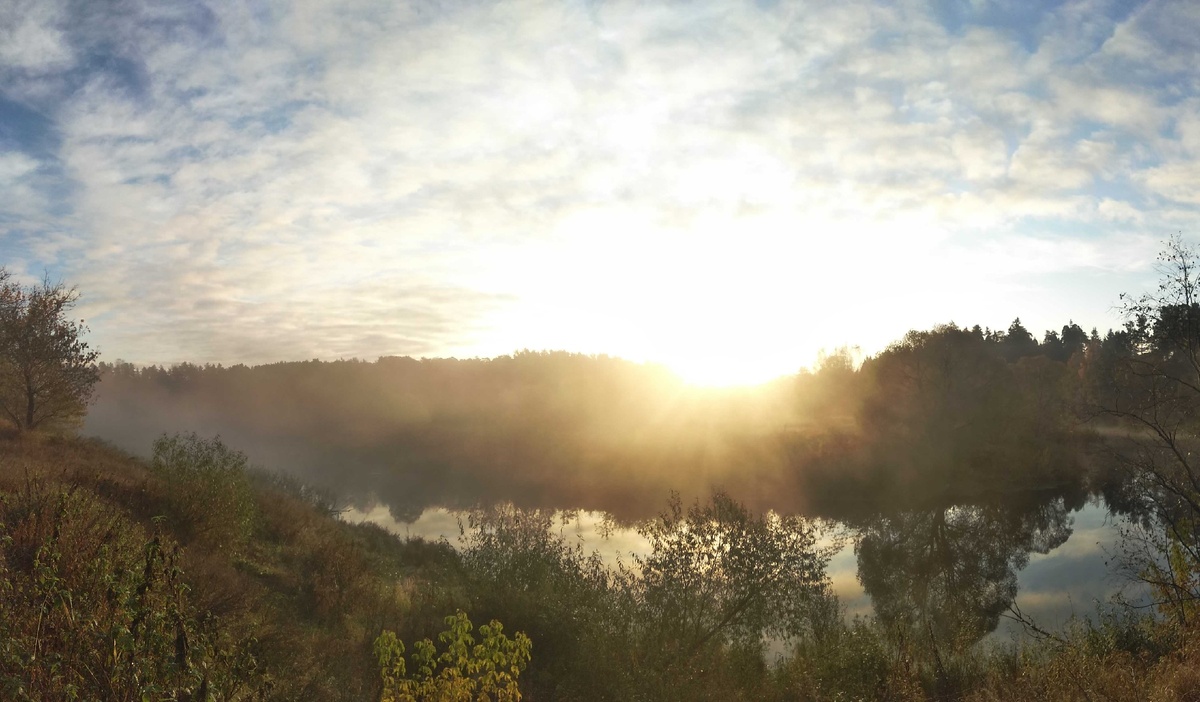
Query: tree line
x=120, y=580
x=934, y=414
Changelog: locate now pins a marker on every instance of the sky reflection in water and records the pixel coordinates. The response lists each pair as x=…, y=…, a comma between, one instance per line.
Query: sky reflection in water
x=1071, y=580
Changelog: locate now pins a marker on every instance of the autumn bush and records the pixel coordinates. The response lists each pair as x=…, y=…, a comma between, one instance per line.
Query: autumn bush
x=208, y=489
x=463, y=671
x=96, y=607
x=105, y=581
x=109, y=591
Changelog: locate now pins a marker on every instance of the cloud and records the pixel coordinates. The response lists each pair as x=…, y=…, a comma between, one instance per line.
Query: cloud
x=30, y=37
x=214, y=167
x=13, y=166
x=1175, y=181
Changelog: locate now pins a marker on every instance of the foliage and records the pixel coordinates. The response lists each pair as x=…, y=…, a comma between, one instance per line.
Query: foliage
x=832, y=389
x=464, y=671
x=320, y=497
x=939, y=408
x=47, y=371
x=1116, y=657
x=95, y=608
x=837, y=659
x=520, y=567
x=941, y=397
x=717, y=580
x=274, y=597
x=508, y=544
x=251, y=624
x=686, y=620
x=1149, y=385
x=208, y=489
x=251, y=608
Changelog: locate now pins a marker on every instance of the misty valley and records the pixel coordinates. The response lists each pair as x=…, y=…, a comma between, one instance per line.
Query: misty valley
x=963, y=486
x=968, y=514
x=615, y=351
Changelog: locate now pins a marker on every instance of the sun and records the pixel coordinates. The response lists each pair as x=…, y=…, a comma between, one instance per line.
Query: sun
x=724, y=371
x=721, y=302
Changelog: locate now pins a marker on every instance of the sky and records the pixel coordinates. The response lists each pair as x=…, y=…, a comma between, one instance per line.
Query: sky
x=723, y=187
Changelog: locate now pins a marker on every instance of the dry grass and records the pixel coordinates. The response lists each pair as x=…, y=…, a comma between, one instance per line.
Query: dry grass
x=304, y=594
x=309, y=593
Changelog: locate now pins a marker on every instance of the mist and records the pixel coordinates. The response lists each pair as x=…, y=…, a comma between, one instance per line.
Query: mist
x=551, y=430
x=941, y=417
x=951, y=460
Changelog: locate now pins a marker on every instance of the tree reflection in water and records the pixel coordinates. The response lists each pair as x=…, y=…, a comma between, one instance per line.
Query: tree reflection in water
x=942, y=577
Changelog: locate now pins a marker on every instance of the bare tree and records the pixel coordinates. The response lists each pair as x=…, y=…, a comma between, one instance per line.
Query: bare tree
x=1147, y=380
x=47, y=371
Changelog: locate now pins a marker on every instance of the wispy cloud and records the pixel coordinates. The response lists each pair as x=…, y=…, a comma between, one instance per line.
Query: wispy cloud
x=253, y=181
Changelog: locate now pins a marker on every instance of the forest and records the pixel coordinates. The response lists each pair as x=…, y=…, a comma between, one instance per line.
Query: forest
x=184, y=539
x=554, y=429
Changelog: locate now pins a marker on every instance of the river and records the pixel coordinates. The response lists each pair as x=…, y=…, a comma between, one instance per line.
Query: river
x=912, y=559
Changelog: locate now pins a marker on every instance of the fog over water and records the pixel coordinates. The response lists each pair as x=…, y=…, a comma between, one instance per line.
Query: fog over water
x=956, y=505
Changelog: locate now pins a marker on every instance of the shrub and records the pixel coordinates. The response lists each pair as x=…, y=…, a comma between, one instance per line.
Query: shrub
x=94, y=607
x=520, y=568
x=208, y=491
x=464, y=671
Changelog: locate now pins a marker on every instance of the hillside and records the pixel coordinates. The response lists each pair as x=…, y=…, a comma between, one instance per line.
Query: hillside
x=117, y=585
x=192, y=577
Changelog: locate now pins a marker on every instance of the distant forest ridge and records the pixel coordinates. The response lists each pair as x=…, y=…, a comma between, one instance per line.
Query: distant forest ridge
x=933, y=414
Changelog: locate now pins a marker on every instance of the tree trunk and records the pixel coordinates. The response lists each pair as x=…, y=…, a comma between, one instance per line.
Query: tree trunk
x=30, y=406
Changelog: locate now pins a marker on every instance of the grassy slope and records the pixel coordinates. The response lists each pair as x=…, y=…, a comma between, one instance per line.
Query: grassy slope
x=102, y=596
x=91, y=568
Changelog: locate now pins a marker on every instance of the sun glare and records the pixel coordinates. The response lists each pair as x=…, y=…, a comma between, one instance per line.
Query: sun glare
x=717, y=310
x=719, y=372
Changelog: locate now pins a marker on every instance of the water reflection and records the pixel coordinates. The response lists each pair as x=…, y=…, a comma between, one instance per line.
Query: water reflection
x=593, y=531
x=1070, y=580
x=945, y=574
